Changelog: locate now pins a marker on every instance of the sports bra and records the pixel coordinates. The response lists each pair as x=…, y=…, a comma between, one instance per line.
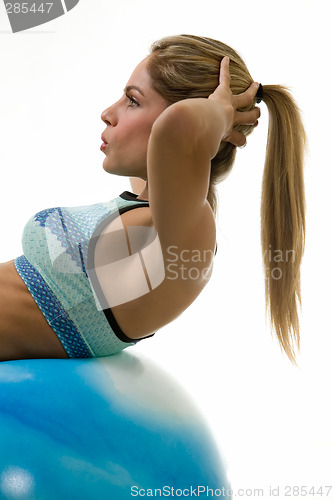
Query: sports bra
x=58, y=269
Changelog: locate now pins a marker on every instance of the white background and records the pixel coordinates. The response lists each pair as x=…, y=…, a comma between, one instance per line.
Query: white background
x=272, y=421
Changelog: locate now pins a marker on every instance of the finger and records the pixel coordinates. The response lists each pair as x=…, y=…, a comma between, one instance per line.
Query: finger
x=236, y=138
x=247, y=117
x=224, y=71
x=246, y=98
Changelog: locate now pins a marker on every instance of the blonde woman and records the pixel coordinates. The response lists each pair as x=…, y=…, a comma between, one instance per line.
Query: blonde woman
x=96, y=279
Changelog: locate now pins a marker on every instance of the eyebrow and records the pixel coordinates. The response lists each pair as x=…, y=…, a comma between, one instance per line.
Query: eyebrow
x=133, y=87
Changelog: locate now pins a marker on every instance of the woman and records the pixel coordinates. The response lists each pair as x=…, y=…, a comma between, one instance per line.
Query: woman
x=94, y=280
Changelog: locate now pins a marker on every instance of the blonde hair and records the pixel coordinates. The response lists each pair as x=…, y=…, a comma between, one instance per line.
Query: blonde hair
x=187, y=66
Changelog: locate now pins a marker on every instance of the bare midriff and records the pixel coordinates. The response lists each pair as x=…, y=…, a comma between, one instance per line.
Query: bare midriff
x=24, y=331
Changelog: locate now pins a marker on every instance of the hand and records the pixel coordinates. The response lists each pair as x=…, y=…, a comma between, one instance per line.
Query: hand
x=231, y=103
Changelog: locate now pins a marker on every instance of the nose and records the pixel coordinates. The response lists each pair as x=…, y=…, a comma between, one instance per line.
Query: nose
x=109, y=115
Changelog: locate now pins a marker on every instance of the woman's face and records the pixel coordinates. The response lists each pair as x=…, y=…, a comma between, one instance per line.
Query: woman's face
x=129, y=122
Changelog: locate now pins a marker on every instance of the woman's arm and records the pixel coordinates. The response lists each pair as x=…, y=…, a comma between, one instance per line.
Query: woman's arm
x=184, y=138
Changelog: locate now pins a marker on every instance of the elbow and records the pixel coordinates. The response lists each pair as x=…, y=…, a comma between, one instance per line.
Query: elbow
x=179, y=125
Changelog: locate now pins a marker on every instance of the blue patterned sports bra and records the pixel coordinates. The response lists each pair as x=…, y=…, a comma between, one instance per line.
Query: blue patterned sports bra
x=58, y=269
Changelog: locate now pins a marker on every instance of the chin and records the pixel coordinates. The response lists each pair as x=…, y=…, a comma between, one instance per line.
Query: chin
x=116, y=170
x=138, y=169
x=111, y=168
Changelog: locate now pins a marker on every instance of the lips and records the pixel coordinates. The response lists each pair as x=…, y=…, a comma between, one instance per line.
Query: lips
x=103, y=146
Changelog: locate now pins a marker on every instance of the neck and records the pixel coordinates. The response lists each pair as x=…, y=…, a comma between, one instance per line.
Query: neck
x=144, y=195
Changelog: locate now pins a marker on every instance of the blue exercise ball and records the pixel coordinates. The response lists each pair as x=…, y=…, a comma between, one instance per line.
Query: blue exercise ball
x=109, y=428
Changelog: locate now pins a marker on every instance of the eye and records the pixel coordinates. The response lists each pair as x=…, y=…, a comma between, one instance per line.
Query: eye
x=133, y=102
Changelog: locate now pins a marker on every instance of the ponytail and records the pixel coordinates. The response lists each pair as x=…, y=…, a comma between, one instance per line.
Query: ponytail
x=283, y=215
x=188, y=66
